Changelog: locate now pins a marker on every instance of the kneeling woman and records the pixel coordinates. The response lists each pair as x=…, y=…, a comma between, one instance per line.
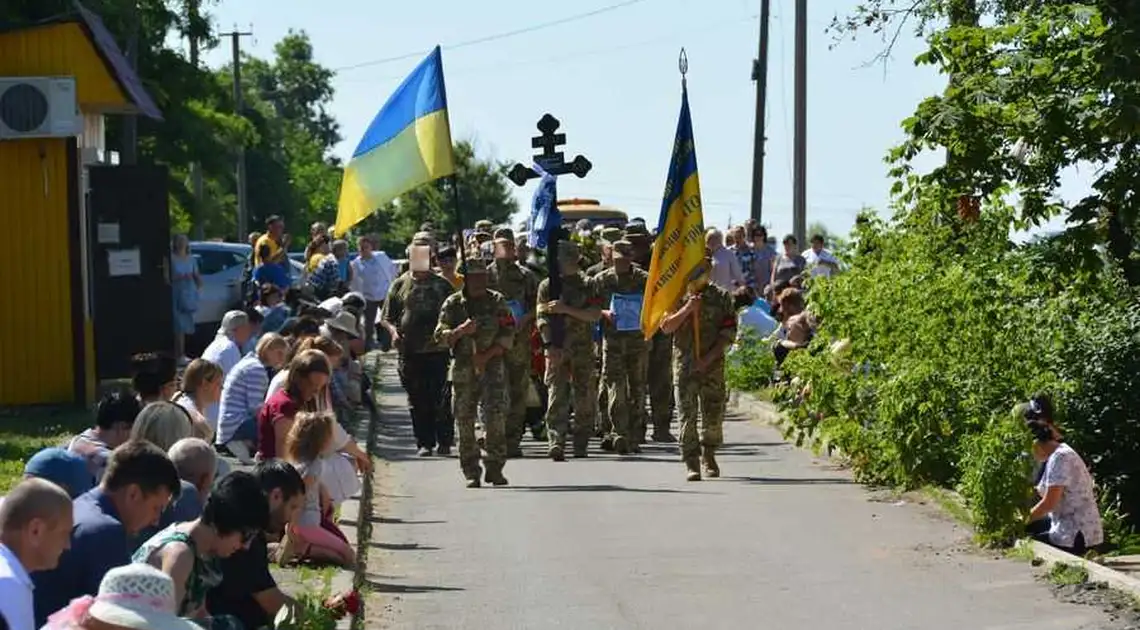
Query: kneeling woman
x=1066, y=516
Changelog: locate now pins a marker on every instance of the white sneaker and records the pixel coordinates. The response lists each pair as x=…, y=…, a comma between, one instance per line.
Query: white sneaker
x=241, y=451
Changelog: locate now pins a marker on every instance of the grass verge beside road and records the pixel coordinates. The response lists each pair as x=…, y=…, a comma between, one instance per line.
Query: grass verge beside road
x=26, y=430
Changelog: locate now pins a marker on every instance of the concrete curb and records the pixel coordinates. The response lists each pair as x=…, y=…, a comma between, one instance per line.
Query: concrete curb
x=1097, y=572
x=364, y=514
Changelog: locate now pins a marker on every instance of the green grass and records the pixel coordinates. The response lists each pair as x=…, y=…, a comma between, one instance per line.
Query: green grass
x=1063, y=574
x=26, y=430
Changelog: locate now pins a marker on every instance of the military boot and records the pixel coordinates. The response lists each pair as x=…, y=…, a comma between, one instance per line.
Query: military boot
x=557, y=453
x=621, y=445
x=494, y=475
x=708, y=457
x=693, y=465
x=472, y=477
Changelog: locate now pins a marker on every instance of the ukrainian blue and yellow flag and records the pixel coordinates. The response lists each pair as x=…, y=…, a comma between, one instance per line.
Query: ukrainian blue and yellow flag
x=679, y=251
x=408, y=144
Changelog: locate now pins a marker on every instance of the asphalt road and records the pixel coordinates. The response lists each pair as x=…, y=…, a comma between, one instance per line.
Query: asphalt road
x=783, y=541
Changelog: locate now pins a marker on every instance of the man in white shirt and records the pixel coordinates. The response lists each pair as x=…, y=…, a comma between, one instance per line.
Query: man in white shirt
x=819, y=260
x=225, y=350
x=372, y=274
x=726, y=271
x=35, y=528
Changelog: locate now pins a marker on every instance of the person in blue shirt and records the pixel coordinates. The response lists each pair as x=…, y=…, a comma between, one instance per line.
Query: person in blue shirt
x=139, y=482
x=754, y=316
x=271, y=273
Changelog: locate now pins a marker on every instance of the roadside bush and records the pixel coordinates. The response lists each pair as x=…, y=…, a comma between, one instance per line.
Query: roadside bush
x=950, y=325
x=750, y=364
x=996, y=469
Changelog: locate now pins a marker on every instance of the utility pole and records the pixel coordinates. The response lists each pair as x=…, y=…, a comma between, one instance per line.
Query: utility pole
x=760, y=76
x=128, y=152
x=239, y=109
x=799, y=193
x=196, y=184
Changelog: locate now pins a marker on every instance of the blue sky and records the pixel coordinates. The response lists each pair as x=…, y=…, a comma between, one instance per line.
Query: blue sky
x=612, y=80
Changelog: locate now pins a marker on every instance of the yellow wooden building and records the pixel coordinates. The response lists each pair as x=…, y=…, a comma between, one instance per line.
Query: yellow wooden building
x=46, y=338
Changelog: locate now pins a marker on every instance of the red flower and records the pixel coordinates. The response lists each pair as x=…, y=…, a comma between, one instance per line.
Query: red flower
x=353, y=603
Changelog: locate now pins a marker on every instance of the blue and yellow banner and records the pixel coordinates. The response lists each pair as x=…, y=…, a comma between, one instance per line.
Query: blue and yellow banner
x=408, y=144
x=679, y=251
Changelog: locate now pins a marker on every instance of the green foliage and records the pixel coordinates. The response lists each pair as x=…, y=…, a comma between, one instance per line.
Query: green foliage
x=750, y=365
x=951, y=323
x=948, y=331
x=996, y=465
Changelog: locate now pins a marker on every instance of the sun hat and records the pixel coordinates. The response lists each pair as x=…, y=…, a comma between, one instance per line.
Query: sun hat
x=135, y=596
x=345, y=322
x=63, y=468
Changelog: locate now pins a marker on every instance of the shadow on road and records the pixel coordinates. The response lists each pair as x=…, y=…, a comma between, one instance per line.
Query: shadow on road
x=382, y=587
x=598, y=488
x=402, y=546
x=399, y=521
x=792, y=481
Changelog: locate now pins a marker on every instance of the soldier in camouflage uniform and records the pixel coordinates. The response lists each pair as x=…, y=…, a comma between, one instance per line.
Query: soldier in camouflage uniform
x=609, y=236
x=573, y=363
x=624, y=350
x=519, y=287
x=410, y=315
x=660, y=378
x=605, y=425
x=700, y=370
x=478, y=326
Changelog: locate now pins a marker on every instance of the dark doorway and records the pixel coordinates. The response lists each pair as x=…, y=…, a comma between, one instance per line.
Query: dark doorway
x=130, y=265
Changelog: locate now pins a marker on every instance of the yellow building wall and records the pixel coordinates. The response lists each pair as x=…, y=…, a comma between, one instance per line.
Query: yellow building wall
x=61, y=50
x=36, y=358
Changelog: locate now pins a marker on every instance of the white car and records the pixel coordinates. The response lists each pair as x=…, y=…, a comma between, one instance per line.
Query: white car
x=221, y=266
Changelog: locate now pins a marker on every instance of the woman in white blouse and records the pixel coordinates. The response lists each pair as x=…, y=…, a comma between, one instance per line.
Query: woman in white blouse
x=1066, y=516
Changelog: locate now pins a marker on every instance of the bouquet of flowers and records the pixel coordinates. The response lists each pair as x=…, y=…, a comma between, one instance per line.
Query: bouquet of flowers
x=308, y=612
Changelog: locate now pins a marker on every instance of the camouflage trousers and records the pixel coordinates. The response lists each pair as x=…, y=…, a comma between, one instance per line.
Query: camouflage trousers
x=470, y=394
x=660, y=382
x=624, y=367
x=575, y=369
x=701, y=398
x=517, y=361
x=605, y=424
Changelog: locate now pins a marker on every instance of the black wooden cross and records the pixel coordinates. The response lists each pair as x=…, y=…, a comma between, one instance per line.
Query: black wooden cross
x=553, y=162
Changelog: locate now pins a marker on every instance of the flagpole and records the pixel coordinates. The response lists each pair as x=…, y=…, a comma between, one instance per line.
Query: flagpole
x=683, y=66
x=459, y=245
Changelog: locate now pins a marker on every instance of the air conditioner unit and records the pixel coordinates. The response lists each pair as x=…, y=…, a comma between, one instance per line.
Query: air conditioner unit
x=38, y=107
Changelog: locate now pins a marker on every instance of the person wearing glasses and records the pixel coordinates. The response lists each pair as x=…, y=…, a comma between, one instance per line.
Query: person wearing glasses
x=236, y=511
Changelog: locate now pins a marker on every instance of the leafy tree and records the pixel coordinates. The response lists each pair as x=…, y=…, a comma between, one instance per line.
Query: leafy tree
x=484, y=193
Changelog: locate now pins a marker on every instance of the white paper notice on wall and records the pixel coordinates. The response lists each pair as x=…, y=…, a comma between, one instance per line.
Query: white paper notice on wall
x=123, y=262
x=108, y=233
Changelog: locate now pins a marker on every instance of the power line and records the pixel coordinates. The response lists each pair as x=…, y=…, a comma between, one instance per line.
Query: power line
x=582, y=54
x=497, y=36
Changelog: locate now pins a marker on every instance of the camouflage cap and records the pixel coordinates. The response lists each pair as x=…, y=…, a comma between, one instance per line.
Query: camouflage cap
x=483, y=225
x=473, y=266
x=505, y=234
x=422, y=238
x=569, y=251
x=611, y=235
x=635, y=228
x=622, y=248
